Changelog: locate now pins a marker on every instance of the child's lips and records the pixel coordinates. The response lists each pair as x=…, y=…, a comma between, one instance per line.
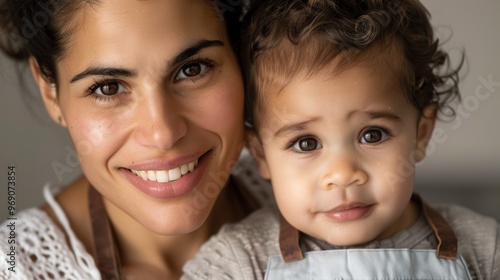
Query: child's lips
x=349, y=211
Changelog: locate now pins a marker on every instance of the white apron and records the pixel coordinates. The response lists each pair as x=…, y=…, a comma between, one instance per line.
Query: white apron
x=443, y=263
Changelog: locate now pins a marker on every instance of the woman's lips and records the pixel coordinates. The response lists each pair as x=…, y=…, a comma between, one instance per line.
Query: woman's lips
x=349, y=211
x=176, y=183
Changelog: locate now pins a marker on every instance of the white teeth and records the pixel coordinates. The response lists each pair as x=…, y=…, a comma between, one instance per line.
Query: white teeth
x=184, y=169
x=164, y=176
x=174, y=174
x=151, y=175
x=143, y=174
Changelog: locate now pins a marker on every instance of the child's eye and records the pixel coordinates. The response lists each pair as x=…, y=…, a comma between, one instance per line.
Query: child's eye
x=373, y=136
x=194, y=69
x=306, y=144
x=107, y=88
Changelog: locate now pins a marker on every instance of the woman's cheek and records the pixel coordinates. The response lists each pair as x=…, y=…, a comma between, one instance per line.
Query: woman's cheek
x=221, y=111
x=93, y=138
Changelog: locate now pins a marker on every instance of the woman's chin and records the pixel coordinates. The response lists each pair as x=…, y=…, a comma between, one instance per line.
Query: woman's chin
x=182, y=221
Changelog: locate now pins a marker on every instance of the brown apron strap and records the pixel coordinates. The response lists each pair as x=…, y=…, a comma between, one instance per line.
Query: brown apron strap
x=447, y=243
x=107, y=256
x=289, y=242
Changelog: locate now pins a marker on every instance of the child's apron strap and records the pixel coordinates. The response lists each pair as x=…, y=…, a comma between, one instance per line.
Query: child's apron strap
x=289, y=242
x=447, y=243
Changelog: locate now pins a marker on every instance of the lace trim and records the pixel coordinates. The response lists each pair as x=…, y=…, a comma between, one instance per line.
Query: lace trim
x=84, y=260
x=41, y=248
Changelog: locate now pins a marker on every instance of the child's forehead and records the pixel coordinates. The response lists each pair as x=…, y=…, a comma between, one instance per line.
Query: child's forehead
x=375, y=67
x=350, y=97
x=286, y=64
x=313, y=55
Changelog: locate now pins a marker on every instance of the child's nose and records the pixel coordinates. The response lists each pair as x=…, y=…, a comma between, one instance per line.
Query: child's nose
x=343, y=171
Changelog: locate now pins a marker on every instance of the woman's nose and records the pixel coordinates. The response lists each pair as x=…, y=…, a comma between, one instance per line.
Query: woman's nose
x=160, y=122
x=343, y=171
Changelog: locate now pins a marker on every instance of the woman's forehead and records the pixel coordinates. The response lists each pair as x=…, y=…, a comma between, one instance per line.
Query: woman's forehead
x=119, y=19
x=115, y=31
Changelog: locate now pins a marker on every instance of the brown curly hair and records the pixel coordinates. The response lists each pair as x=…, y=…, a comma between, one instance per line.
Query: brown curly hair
x=283, y=38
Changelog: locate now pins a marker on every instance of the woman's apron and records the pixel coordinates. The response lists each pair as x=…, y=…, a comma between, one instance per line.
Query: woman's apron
x=444, y=262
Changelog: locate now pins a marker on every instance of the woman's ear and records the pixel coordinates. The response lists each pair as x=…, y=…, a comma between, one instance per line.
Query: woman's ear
x=257, y=151
x=425, y=128
x=48, y=92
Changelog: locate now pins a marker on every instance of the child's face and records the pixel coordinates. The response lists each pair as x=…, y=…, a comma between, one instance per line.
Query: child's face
x=340, y=151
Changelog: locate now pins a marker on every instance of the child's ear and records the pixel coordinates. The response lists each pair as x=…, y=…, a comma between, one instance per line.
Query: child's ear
x=48, y=92
x=425, y=128
x=255, y=147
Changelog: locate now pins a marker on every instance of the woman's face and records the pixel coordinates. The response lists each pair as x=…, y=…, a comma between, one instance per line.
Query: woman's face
x=152, y=95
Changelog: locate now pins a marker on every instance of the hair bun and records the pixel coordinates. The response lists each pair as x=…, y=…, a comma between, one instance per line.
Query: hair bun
x=12, y=43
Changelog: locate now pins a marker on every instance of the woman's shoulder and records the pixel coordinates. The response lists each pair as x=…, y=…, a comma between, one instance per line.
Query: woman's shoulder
x=39, y=246
x=73, y=204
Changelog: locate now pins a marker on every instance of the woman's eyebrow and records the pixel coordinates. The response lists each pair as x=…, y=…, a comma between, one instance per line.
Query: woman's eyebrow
x=194, y=49
x=122, y=72
x=104, y=71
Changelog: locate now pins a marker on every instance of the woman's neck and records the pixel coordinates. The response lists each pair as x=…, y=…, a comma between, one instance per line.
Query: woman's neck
x=142, y=251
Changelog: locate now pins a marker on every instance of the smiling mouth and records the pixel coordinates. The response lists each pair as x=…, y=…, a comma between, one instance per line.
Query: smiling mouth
x=165, y=176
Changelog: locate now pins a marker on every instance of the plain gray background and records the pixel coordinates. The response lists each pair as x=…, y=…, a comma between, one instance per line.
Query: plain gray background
x=463, y=162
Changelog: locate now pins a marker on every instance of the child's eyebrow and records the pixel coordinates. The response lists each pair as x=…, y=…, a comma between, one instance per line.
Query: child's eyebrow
x=297, y=126
x=382, y=115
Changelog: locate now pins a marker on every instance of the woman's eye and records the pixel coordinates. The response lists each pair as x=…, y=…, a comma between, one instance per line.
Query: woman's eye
x=373, y=136
x=191, y=70
x=307, y=144
x=108, y=88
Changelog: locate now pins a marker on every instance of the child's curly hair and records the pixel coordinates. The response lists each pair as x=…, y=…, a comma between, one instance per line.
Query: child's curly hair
x=283, y=38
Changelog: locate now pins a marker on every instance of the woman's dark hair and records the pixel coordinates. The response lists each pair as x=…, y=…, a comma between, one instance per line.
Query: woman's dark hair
x=36, y=28
x=283, y=38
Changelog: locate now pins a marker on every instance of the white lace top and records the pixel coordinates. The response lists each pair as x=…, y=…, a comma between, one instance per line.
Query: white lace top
x=40, y=250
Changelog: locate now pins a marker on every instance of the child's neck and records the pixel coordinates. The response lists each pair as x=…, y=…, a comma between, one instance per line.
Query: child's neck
x=407, y=219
